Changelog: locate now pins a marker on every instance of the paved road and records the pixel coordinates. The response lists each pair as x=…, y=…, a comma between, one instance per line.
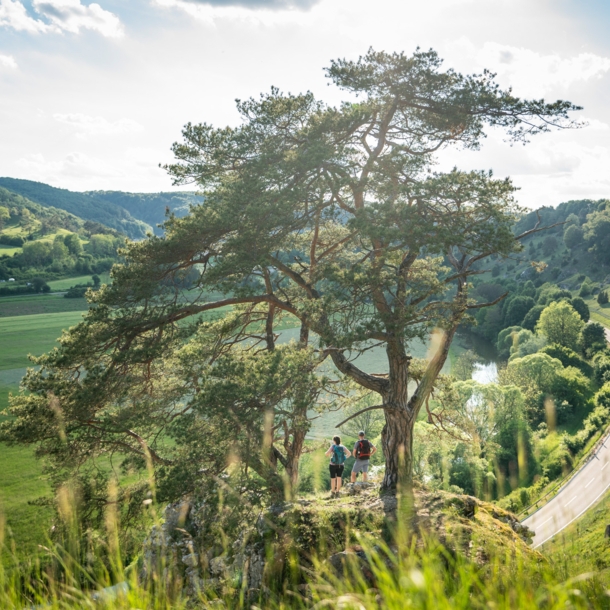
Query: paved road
x=585, y=488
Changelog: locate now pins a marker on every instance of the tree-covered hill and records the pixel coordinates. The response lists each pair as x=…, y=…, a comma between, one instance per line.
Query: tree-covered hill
x=133, y=214
x=150, y=207
x=83, y=205
x=48, y=215
x=42, y=243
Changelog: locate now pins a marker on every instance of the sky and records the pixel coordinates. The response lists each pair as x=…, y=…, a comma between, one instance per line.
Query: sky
x=92, y=95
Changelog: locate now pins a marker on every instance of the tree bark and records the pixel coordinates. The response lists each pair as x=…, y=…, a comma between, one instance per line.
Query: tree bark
x=401, y=413
x=397, y=443
x=293, y=456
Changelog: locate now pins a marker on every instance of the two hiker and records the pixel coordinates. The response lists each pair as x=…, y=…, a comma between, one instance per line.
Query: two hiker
x=338, y=453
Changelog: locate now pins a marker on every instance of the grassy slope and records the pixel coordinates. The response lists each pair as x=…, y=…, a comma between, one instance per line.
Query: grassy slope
x=582, y=547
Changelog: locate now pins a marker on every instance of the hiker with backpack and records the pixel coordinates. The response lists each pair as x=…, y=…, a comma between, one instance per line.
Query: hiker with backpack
x=363, y=450
x=338, y=454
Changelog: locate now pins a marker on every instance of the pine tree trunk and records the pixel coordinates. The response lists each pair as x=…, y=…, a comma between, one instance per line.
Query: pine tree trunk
x=293, y=456
x=397, y=443
x=397, y=434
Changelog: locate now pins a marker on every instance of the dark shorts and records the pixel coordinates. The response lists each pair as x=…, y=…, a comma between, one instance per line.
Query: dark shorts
x=336, y=470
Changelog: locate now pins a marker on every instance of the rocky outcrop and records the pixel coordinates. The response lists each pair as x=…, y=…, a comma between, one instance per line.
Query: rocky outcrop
x=299, y=534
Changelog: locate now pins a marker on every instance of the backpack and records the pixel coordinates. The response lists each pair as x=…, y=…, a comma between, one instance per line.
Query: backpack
x=338, y=456
x=363, y=451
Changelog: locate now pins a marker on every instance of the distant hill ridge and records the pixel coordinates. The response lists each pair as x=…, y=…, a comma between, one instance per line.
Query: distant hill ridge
x=133, y=214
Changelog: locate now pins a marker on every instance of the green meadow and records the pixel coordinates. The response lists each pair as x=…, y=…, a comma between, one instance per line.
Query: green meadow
x=23, y=482
x=31, y=334
x=65, y=283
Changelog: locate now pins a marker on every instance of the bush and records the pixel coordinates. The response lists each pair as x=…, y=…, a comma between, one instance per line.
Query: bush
x=602, y=398
x=12, y=240
x=568, y=357
x=602, y=297
x=581, y=308
x=532, y=317
x=585, y=289
x=593, y=334
x=571, y=386
x=39, y=285
x=558, y=463
x=517, y=310
x=506, y=339
x=601, y=369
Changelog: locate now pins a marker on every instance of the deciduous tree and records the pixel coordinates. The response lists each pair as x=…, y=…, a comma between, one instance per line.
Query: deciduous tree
x=560, y=323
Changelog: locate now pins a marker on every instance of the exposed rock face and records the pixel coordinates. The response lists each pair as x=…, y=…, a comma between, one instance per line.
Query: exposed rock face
x=291, y=534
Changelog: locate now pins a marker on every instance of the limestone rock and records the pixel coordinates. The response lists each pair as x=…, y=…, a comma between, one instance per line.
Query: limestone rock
x=256, y=569
x=355, y=558
x=358, y=487
x=191, y=560
x=218, y=566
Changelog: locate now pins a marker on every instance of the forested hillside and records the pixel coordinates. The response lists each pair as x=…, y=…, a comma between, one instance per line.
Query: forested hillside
x=133, y=214
x=573, y=255
x=80, y=204
x=41, y=243
x=150, y=207
x=552, y=353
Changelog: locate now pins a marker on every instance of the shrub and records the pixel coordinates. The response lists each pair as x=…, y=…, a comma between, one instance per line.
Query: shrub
x=601, y=370
x=581, y=308
x=602, y=398
x=559, y=462
x=602, y=297
x=585, y=289
x=517, y=310
x=12, y=240
x=506, y=339
x=571, y=386
x=568, y=357
x=593, y=337
x=532, y=317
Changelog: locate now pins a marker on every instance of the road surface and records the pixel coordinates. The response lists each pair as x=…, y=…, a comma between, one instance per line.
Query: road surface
x=583, y=490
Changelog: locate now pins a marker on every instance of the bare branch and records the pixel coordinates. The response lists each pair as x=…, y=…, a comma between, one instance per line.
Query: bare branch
x=359, y=413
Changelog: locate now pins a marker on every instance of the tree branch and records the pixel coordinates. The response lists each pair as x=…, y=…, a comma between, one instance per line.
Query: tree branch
x=359, y=413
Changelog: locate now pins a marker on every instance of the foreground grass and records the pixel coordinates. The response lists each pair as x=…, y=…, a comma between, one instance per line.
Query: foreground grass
x=411, y=573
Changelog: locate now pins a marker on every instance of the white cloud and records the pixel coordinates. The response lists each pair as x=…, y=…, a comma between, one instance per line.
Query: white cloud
x=14, y=15
x=7, y=62
x=71, y=16
x=531, y=74
x=60, y=16
x=96, y=125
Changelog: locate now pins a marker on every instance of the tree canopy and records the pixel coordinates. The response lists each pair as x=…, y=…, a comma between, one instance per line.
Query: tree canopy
x=331, y=218
x=560, y=323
